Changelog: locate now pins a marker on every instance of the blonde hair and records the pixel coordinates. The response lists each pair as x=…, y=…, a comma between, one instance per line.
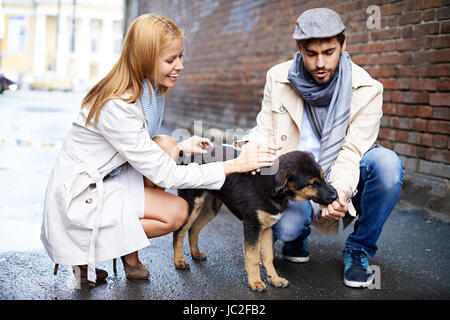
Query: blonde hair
x=147, y=35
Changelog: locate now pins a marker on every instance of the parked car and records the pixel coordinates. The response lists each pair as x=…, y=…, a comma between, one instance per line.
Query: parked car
x=7, y=84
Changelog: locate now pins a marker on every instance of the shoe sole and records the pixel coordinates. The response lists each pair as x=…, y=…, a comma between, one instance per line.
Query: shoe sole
x=297, y=259
x=358, y=284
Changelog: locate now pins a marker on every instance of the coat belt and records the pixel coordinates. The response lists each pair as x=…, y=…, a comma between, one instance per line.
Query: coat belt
x=98, y=180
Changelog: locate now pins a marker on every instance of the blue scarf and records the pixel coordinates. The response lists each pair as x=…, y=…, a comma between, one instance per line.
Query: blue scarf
x=153, y=107
x=327, y=106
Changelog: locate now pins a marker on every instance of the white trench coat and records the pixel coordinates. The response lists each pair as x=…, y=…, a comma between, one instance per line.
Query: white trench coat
x=87, y=220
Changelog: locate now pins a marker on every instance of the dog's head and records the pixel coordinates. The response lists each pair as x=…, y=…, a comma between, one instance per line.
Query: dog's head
x=302, y=178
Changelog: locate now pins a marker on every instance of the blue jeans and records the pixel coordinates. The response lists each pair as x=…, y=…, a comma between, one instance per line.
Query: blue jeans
x=380, y=180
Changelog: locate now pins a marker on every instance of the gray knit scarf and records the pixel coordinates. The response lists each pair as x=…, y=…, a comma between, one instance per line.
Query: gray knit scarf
x=327, y=106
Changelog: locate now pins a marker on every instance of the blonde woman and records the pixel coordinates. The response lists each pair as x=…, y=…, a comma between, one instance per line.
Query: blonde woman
x=105, y=195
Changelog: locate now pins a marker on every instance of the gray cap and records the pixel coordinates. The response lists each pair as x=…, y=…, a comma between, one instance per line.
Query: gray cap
x=318, y=23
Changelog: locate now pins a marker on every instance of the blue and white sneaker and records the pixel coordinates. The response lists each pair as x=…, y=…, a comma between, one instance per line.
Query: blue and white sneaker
x=357, y=273
x=296, y=251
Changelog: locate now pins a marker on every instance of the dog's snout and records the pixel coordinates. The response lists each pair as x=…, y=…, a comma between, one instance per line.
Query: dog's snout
x=333, y=193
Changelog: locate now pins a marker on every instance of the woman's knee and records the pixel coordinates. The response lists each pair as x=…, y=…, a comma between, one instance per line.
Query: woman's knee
x=168, y=144
x=179, y=214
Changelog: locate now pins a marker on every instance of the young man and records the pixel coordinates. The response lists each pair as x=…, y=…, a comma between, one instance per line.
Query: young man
x=324, y=103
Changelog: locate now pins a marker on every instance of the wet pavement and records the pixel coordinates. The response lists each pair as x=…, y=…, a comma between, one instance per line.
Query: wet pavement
x=412, y=260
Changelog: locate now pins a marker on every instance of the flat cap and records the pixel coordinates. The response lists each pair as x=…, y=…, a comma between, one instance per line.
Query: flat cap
x=318, y=23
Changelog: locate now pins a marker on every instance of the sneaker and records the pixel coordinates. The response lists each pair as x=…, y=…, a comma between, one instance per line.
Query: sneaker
x=357, y=273
x=296, y=251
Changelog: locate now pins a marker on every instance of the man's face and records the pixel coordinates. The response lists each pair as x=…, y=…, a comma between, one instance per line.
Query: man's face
x=321, y=59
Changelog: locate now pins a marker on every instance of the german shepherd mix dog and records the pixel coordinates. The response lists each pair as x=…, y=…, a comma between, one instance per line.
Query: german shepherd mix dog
x=258, y=201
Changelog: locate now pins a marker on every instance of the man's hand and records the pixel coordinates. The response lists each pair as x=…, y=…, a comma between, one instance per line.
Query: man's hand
x=336, y=209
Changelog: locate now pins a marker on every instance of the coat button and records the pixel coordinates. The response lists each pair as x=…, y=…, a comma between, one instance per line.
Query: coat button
x=89, y=201
x=283, y=137
x=282, y=109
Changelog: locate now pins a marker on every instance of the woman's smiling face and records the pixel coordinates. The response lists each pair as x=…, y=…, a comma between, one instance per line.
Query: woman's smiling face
x=170, y=63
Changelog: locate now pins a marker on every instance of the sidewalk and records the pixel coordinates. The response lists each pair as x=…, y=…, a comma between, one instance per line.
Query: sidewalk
x=413, y=261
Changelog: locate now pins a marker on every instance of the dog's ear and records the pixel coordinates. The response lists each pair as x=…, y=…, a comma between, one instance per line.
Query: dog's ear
x=281, y=180
x=311, y=155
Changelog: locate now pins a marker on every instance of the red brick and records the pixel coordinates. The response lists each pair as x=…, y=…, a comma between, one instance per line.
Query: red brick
x=415, y=97
x=440, y=141
x=419, y=124
x=408, y=32
x=405, y=149
x=440, y=99
x=411, y=17
x=413, y=137
x=401, y=135
x=425, y=139
x=445, y=27
x=443, y=84
x=397, y=96
x=438, y=155
x=424, y=111
x=387, y=134
x=429, y=15
x=441, y=113
x=402, y=110
x=389, y=83
x=441, y=42
x=437, y=70
x=427, y=29
x=383, y=34
x=389, y=108
x=424, y=84
x=412, y=110
x=443, y=13
x=400, y=123
x=403, y=44
x=439, y=126
x=425, y=4
x=392, y=8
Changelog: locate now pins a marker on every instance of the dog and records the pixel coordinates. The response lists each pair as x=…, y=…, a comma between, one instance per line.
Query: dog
x=258, y=201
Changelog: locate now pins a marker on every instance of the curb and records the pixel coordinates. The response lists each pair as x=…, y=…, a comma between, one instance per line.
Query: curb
x=427, y=192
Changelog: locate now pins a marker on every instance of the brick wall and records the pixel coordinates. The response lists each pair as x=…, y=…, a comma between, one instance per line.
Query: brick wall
x=231, y=44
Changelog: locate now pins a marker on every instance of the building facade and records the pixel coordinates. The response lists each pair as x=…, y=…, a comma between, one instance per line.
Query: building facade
x=73, y=39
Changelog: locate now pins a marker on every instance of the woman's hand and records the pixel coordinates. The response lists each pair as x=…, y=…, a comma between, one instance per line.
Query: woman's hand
x=250, y=144
x=336, y=209
x=194, y=144
x=251, y=158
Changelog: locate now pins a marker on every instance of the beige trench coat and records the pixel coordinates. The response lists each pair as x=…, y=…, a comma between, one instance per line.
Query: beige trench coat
x=88, y=220
x=280, y=119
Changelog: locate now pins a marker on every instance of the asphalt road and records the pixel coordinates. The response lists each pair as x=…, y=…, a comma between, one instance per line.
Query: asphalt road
x=412, y=260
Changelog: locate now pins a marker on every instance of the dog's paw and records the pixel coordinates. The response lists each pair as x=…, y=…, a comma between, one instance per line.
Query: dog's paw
x=278, y=282
x=198, y=255
x=257, y=285
x=182, y=265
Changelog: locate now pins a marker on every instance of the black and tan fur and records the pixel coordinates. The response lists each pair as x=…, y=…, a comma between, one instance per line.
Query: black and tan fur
x=258, y=201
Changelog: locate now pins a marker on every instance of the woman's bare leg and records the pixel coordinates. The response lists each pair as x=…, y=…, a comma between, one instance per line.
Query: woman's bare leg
x=164, y=212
